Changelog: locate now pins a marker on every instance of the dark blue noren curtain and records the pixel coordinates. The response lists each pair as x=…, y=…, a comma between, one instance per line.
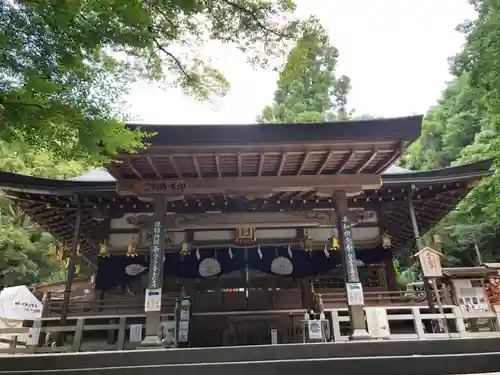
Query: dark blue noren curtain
x=112, y=270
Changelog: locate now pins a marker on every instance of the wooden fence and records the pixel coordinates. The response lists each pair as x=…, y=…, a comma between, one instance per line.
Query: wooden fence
x=406, y=323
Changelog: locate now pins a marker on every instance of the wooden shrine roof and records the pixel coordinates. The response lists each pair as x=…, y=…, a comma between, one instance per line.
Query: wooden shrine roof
x=365, y=146
x=435, y=193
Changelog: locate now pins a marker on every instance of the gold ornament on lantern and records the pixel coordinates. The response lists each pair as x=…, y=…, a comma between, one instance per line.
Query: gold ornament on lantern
x=334, y=242
x=132, y=248
x=386, y=241
x=103, y=250
x=307, y=243
x=185, y=248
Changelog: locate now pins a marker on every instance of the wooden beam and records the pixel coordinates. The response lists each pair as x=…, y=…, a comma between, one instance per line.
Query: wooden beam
x=153, y=167
x=134, y=169
x=239, y=165
x=217, y=165
x=196, y=166
x=282, y=163
x=345, y=161
x=261, y=163
x=260, y=220
x=325, y=162
x=366, y=162
x=174, y=166
x=399, y=151
x=304, y=163
x=248, y=185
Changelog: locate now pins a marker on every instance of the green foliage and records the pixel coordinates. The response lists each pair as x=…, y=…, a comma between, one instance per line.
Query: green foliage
x=24, y=246
x=65, y=65
x=464, y=127
x=308, y=90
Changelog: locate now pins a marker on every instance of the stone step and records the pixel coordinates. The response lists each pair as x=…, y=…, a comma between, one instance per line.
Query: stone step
x=232, y=356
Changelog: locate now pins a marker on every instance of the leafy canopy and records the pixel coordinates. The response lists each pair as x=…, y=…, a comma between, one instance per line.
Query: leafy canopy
x=65, y=65
x=465, y=127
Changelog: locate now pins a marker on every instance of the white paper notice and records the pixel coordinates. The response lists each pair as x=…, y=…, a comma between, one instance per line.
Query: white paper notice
x=153, y=300
x=315, y=331
x=135, y=332
x=355, y=294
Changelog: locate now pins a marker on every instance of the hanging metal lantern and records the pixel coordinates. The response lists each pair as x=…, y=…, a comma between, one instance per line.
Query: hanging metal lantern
x=307, y=243
x=386, y=241
x=103, y=250
x=185, y=248
x=334, y=243
x=132, y=248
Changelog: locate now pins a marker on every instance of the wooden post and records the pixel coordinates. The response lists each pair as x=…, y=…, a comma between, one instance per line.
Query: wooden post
x=152, y=303
x=420, y=246
x=71, y=265
x=354, y=289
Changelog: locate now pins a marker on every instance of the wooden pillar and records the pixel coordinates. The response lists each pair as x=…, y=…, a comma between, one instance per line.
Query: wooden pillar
x=153, y=295
x=72, y=260
x=390, y=275
x=420, y=245
x=354, y=289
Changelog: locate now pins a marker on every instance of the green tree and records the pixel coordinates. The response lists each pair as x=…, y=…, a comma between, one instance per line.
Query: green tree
x=308, y=90
x=65, y=65
x=462, y=128
x=24, y=245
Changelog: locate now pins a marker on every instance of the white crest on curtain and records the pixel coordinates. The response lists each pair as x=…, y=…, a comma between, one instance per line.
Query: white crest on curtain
x=281, y=266
x=209, y=267
x=134, y=269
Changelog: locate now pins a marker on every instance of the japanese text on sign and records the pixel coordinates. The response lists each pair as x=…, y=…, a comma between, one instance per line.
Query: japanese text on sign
x=430, y=262
x=27, y=307
x=156, y=257
x=161, y=187
x=349, y=251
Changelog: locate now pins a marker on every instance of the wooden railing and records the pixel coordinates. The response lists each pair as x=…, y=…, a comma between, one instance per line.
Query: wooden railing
x=410, y=321
x=338, y=298
x=112, y=305
x=219, y=301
